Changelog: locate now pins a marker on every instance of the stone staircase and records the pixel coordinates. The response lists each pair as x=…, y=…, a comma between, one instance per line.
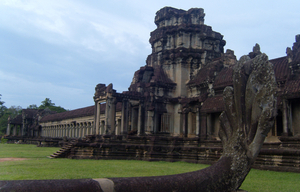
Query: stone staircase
x=64, y=151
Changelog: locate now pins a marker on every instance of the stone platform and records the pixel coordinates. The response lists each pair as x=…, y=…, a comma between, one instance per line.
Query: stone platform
x=280, y=156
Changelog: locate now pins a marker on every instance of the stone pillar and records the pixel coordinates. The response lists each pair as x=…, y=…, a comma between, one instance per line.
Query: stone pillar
x=77, y=130
x=83, y=131
x=8, y=129
x=102, y=127
x=285, y=117
x=97, y=118
x=118, y=126
x=125, y=117
x=91, y=127
x=203, y=126
x=87, y=129
x=15, y=130
x=177, y=120
x=21, y=130
x=190, y=124
x=134, y=118
x=185, y=124
x=141, y=130
x=55, y=131
x=209, y=126
x=197, y=123
x=110, y=116
x=149, y=122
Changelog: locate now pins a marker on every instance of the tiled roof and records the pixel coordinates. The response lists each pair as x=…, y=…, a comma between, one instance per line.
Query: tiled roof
x=213, y=104
x=224, y=78
x=281, y=68
x=292, y=88
x=17, y=120
x=82, y=112
x=30, y=113
x=207, y=73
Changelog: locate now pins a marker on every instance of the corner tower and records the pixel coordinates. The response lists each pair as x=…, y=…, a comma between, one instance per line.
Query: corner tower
x=182, y=44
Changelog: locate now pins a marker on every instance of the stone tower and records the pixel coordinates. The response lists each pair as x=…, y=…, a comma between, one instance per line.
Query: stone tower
x=182, y=45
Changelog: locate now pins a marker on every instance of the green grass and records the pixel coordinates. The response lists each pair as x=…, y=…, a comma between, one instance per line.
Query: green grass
x=267, y=181
x=38, y=166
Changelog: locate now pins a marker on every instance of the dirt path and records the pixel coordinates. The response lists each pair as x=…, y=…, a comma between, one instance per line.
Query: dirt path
x=12, y=159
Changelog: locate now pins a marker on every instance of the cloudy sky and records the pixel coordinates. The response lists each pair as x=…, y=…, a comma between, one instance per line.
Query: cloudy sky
x=60, y=49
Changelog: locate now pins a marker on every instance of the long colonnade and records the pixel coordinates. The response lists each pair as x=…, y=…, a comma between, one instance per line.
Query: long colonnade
x=78, y=130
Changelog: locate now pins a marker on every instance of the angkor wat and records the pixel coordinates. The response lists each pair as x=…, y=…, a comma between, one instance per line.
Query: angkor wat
x=172, y=107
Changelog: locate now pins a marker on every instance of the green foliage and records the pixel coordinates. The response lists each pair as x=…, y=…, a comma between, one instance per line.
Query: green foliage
x=58, y=109
x=47, y=103
x=11, y=112
x=33, y=106
x=3, y=141
x=2, y=107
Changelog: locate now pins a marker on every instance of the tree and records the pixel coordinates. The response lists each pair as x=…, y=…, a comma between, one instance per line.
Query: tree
x=47, y=103
x=2, y=107
x=33, y=106
x=11, y=112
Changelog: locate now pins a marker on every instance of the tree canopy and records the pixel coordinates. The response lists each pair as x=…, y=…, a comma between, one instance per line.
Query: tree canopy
x=47, y=103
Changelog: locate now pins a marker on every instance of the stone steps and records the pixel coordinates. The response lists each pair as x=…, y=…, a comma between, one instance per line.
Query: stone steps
x=63, y=152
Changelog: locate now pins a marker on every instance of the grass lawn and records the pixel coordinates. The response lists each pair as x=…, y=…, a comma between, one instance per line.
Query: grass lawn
x=38, y=166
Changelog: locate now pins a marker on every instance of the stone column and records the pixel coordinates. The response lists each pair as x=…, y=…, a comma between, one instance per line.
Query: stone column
x=118, y=126
x=149, y=122
x=102, y=127
x=8, y=129
x=91, y=127
x=110, y=116
x=59, y=130
x=209, y=126
x=190, y=124
x=285, y=117
x=83, y=131
x=77, y=130
x=185, y=124
x=197, y=123
x=203, y=126
x=15, y=130
x=125, y=117
x=21, y=130
x=140, y=125
x=97, y=118
x=177, y=120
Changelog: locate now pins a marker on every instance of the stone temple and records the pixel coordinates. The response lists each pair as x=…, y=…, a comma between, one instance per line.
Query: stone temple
x=171, y=109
